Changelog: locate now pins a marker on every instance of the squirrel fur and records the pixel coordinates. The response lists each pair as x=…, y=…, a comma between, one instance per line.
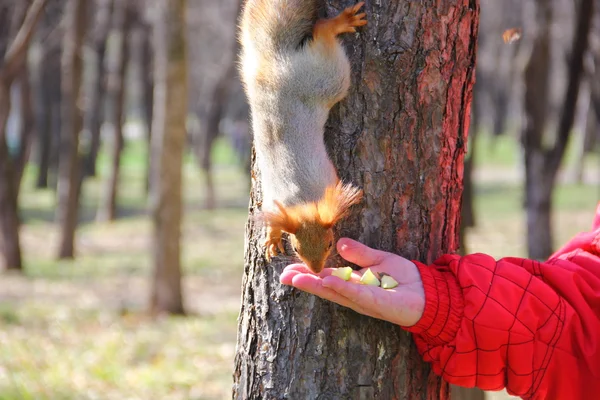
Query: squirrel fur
x=294, y=70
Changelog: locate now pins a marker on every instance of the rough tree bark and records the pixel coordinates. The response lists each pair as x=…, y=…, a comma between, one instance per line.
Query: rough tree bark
x=115, y=70
x=541, y=163
x=168, y=141
x=14, y=59
x=70, y=161
x=400, y=135
x=95, y=87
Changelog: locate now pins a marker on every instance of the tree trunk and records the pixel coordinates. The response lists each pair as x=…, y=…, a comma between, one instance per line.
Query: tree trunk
x=148, y=86
x=27, y=127
x=70, y=162
x=400, y=135
x=14, y=60
x=43, y=77
x=95, y=86
x=168, y=140
x=210, y=132
x=115, y=103
x=542, y=164
x=9, y=218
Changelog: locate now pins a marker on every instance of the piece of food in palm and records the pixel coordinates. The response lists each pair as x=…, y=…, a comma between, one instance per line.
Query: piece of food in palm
x=343, y=273
x=369, y=278
x=387, y=282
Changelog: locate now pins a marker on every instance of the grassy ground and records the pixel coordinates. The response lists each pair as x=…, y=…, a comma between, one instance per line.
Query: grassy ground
x=74, y=330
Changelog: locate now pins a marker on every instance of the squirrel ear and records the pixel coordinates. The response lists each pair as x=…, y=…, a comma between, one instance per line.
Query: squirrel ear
x=280, y=219
x=337, y=200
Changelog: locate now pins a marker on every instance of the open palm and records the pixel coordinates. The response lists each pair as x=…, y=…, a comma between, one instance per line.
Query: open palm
x=402, y=305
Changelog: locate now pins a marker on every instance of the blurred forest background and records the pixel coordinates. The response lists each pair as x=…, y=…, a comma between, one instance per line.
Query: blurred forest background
x=102, y=102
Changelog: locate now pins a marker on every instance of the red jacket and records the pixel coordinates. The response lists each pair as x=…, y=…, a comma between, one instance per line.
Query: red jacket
x=530, y=327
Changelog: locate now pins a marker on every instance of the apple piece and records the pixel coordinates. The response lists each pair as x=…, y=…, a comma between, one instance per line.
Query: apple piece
x=342, y=273
x=387, y=282
x=369, y=278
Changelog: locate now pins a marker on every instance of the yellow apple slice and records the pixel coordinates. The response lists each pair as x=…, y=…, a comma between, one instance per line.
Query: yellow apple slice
x=387, y=282
x=369, y=278
x=342, y=273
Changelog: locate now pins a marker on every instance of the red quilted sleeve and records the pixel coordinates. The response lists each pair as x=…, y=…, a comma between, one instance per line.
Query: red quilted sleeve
x=530, y=327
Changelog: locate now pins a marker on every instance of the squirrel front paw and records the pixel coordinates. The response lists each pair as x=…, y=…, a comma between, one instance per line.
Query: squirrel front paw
x=348, y=20
x=273, y=244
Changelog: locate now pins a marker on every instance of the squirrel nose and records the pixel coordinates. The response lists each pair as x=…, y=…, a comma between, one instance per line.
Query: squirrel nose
x=315, y=267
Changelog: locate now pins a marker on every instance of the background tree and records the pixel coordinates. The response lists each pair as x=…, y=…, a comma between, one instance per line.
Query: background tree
x=401, y=136
x=168, y=140
x=95, y=80
x=45, y=82
x=115, y=71
x=542, y=162
x=69, y=185
x=12, y=66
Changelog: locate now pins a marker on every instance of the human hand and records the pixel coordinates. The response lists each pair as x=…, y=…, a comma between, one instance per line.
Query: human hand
x=402, y=305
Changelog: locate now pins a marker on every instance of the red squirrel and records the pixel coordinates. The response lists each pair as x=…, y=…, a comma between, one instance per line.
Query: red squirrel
x=294, y=70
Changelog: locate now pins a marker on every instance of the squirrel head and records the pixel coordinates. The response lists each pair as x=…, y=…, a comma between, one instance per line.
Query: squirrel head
x=310, y=225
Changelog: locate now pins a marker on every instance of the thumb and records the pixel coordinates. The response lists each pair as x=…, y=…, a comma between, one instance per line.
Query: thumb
x=360, y=254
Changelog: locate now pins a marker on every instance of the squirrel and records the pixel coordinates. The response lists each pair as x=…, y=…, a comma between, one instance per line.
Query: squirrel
x=294, y=70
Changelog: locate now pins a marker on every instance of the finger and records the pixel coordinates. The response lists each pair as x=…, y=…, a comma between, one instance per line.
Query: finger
x=352, y=291
x=314, y=285
x=305, y=270
x=286, y=277
x=370, y=299
x=359, y=254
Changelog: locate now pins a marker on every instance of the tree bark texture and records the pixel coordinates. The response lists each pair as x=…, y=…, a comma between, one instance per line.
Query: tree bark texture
x=94, y=86
x=542, y=163
x=70, y=161
x=116, y=64
x=401, y=136
x=168, y=141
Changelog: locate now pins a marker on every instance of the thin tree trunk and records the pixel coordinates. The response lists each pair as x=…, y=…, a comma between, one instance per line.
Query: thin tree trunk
x=9, y=217
x=56, y=125
x=14, y=60
x=148, y=87
x=585, y=118
x=72, y=122
x=95, y=87
x=41, y=87
x=211, y=133
x=168, y=140
x=542, y=165
x=400, y=135
x=27, y=127
x=115, y=103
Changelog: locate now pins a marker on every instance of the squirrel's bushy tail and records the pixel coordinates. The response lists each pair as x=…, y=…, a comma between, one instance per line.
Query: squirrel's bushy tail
x=278, y=25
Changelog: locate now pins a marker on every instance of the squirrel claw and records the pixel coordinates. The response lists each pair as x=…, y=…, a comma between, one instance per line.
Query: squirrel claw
x=349, y=19
x=273, y=245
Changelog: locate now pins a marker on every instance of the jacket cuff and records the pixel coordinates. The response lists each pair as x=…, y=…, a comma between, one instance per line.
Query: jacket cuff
x=444, y=306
